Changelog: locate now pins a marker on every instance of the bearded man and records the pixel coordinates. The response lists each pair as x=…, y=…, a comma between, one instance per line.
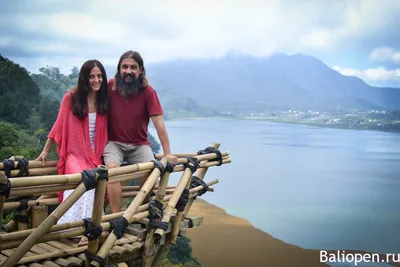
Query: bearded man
x=132, y=103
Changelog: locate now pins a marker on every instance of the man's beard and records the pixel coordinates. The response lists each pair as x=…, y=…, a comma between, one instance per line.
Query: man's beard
x=129, y=87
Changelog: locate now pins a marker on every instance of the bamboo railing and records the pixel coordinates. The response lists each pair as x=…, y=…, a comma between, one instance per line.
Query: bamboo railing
x=144, y=231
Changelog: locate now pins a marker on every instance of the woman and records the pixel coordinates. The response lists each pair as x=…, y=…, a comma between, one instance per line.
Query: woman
x=80, y=132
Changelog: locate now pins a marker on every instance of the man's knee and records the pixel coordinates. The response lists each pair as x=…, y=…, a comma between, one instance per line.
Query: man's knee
x=112, y=155
x=112, y=165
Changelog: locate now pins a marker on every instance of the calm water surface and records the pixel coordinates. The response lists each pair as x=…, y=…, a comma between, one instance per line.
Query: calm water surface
x=314, y=187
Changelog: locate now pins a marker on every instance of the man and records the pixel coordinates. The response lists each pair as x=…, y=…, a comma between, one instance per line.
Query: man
x=132, y=103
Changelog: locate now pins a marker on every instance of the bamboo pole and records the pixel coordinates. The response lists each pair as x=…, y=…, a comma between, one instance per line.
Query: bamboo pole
x=36, y=171
x=31, y=203
x=144, y=174
x=33, y=164
x=22, y=225
x=53, y=163
x=137, y=188
x=39, y=214
x=148, y=250
x=27, y=244
x=60, y=227
x=170, y=238
x=71, y=229
x=132, y=209
x=184, y=183
x=150, y=182
x=77, y=178
x=41, y=189
x=11, y=225
x=97, y=213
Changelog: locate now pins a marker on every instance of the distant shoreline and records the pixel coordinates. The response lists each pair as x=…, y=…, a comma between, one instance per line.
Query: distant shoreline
x=320, y=125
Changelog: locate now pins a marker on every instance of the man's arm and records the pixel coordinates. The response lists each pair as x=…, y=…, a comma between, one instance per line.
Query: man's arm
x=158, y=121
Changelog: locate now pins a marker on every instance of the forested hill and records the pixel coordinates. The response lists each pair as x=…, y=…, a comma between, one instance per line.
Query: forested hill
x=29, y=105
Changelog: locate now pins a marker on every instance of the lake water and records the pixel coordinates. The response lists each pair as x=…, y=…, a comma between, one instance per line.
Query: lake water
x=313, y=187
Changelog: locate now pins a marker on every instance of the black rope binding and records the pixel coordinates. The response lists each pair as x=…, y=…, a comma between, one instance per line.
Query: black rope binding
x=119, y=225
x=8, y=166
x=183, y=200
x=159, y=165
x=21, y=218
x=157, y=224
x=190, y=223
x=23, y=166
x=89, y=177
x=156, y=213
x=92, y=232
x=169, y=168
x=192, y=164
x=155, y=209
x=209, y=150
x=23, y=204
x=5, y=189
x=196, y=181
x=94, y=257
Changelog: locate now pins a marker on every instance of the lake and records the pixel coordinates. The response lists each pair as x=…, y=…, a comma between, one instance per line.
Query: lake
x=314, y=187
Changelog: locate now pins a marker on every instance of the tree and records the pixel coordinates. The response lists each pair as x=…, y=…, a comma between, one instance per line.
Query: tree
x=74, y=73
x=18, y=93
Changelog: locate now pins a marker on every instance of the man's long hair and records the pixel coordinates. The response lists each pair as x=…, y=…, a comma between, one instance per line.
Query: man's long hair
x=141, y=82
x=81, y=91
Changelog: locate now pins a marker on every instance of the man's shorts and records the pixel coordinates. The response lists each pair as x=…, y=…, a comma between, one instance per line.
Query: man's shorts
x=117, y=152
x=133, y=154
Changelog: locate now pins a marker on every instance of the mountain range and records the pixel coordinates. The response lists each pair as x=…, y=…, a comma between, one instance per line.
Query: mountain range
x=242, y=83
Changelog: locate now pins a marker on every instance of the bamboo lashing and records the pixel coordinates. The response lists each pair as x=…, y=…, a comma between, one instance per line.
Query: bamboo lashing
x=97, y=213
x=106, y=226
x=132, y=209
x=147, y=250
x=171, y=237
x=8, y=237
x=48, y=223
x=150, y=182
x=71, y=229
x=48, y=230
x=77, y=178
x=50, y=167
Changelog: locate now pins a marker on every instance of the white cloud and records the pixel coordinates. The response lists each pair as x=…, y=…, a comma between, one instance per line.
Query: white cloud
x=165, y=30
x=385, y=54
x=371, y=74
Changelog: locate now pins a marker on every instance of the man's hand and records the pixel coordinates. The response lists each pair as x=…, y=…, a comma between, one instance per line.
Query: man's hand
x=173, y=160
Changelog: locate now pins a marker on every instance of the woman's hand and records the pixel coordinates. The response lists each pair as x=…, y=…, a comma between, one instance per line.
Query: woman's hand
x=42, y=157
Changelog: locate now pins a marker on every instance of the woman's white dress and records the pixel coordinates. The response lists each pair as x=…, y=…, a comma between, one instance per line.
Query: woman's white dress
x=84, y=206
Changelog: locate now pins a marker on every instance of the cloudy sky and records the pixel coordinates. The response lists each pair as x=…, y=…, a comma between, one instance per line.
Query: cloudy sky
x=357, y=37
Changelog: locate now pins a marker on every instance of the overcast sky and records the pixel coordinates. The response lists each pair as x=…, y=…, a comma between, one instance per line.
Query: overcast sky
x=357, y=37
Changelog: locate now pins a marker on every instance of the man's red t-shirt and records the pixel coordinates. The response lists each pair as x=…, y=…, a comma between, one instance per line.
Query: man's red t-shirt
x=129, y=116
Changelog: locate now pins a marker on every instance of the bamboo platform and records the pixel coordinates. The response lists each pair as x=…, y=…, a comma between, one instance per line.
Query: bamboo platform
x=141, y=234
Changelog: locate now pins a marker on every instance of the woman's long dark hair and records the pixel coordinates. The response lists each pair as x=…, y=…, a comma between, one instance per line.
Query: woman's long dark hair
x=81, y=92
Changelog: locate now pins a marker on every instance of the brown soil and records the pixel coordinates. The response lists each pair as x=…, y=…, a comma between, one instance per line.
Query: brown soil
x=225, y=240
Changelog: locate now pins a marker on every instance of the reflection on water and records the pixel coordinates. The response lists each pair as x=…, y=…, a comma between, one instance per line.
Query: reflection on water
x=314, y=187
